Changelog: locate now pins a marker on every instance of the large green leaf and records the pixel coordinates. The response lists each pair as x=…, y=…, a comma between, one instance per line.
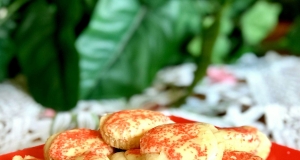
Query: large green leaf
x=4, y=3
x=6, y=48
x=189, y=20
x=126, y=43
x=259, y=21
x=46, y=52
x=7, y=25
x=6, y=55
x=153, y=3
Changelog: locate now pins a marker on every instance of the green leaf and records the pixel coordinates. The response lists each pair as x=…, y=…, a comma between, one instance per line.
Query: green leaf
x=6, y=55
x=126, y=43
x=194, y=47
x=7, y=25
x=291, y=41
x=6, y=48
x=189, y=20
x=4, y=3
x=46, y=52
x=153, y=3
x=259, y=21
x=221, y=49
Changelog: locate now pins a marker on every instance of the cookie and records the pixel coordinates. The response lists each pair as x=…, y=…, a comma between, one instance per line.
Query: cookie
x=244, y=138
x=238, y=138
x=77, y=144
x=180, y=141
x=124, y=129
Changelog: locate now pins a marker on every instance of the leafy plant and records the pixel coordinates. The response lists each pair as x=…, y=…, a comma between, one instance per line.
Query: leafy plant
x=244, y=24
x=90, y=49
x=127, y=42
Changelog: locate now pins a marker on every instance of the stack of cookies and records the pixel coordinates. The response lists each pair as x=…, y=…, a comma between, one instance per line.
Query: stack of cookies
x=149, y=135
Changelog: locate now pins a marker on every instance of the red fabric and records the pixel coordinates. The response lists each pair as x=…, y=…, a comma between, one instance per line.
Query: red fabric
x=278, y=152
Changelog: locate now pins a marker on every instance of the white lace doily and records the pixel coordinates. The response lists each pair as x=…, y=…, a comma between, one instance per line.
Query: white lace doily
x=20, y=124
x=264, y=95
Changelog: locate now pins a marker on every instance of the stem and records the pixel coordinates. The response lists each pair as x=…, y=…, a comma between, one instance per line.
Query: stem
x=209, y=37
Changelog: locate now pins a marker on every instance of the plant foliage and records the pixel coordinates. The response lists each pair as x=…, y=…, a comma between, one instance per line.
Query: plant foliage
x=100, y=49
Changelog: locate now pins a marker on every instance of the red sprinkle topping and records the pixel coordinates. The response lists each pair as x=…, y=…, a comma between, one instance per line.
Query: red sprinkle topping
x=248, y=133
x=156, y=141
x=242, y=129
x=79, y=142
x=129, y=121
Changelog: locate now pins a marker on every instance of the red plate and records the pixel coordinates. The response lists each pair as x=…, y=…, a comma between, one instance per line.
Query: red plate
x=278, y=152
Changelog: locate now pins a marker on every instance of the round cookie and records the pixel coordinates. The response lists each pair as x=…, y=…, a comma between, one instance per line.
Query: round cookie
x=238, y=138
x=180, y=141
x=48, y=144
x=244, y=138
x=124, y=129
x=77, y=144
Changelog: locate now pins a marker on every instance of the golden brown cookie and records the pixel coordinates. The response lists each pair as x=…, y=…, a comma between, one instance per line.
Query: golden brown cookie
x=238, y=138
x=77, y=144
x=180, y=141
x=244, y=138
x=48, y=144
x=124, y=129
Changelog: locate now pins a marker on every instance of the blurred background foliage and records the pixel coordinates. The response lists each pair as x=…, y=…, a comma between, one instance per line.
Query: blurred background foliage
x=99, y=49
